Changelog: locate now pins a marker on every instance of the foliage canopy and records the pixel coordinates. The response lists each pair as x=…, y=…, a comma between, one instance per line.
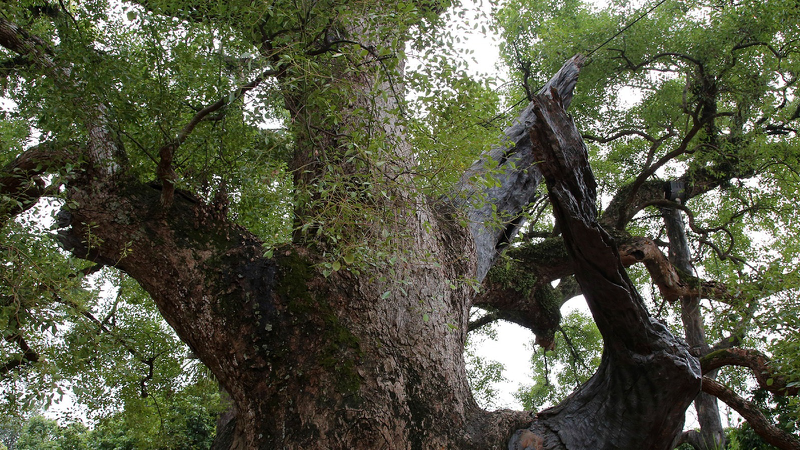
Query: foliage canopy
x=216, y=101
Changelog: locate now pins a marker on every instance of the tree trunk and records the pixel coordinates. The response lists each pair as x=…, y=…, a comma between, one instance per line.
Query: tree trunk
x=711, y=435
x=646, y=377
x=308, y=361
x=365, y=355
x=374, y=360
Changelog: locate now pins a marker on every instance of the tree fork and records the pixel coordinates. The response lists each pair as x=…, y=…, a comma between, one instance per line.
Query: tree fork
x=646, y=378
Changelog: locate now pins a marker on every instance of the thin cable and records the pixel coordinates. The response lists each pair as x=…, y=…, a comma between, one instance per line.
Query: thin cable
x=622, y=30
x=625, y=28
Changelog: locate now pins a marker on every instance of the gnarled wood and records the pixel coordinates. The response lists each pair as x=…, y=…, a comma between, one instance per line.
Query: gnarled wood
x=646, y=378
x=495, y=213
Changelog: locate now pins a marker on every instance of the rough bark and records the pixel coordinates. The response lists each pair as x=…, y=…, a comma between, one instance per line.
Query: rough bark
x=495, y=213
x=309, y=362
x=646, y=377
x=349, y=360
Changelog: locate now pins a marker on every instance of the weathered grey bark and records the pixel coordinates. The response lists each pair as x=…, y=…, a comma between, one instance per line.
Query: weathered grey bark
x=711, y=435
x=495, y=213
x=646, y=377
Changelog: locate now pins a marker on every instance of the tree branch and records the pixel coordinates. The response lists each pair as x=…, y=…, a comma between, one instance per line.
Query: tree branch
x=20, y=180
x=627, y=204
x=770, y=433
x=646, y=378
x=494, y=209
x=28, y=355
x=663, y=274
x=166, y=153
x=768, y=379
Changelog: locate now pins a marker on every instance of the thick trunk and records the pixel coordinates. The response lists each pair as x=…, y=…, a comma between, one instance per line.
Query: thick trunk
x=367, y=355
x=308, y=361
x=371, y=357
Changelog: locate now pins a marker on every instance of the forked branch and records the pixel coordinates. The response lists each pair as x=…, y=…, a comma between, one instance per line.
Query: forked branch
x=646, y=378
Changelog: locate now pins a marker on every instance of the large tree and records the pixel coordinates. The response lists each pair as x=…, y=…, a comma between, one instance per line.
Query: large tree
x=324, y=272
x=693, y=127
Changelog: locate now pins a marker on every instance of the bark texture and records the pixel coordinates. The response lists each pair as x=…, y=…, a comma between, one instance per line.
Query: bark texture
x=495, y=213
x=308, y=361
x=646, y=377
x=368, y=359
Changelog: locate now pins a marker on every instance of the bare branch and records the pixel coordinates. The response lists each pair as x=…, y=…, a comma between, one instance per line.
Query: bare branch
x=664, y=275
x=769, y=432
x=670, y=283
x=754, y=360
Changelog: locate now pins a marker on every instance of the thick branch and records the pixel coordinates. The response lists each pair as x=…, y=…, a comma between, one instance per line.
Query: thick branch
x=518, y=288
x=537, y=309
x=28, y=355
x=754, y=360
x=495, y=212
x=646, y=378
x=663, y=274
x=770, y=433
x=712, y=435
x=626, y=203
